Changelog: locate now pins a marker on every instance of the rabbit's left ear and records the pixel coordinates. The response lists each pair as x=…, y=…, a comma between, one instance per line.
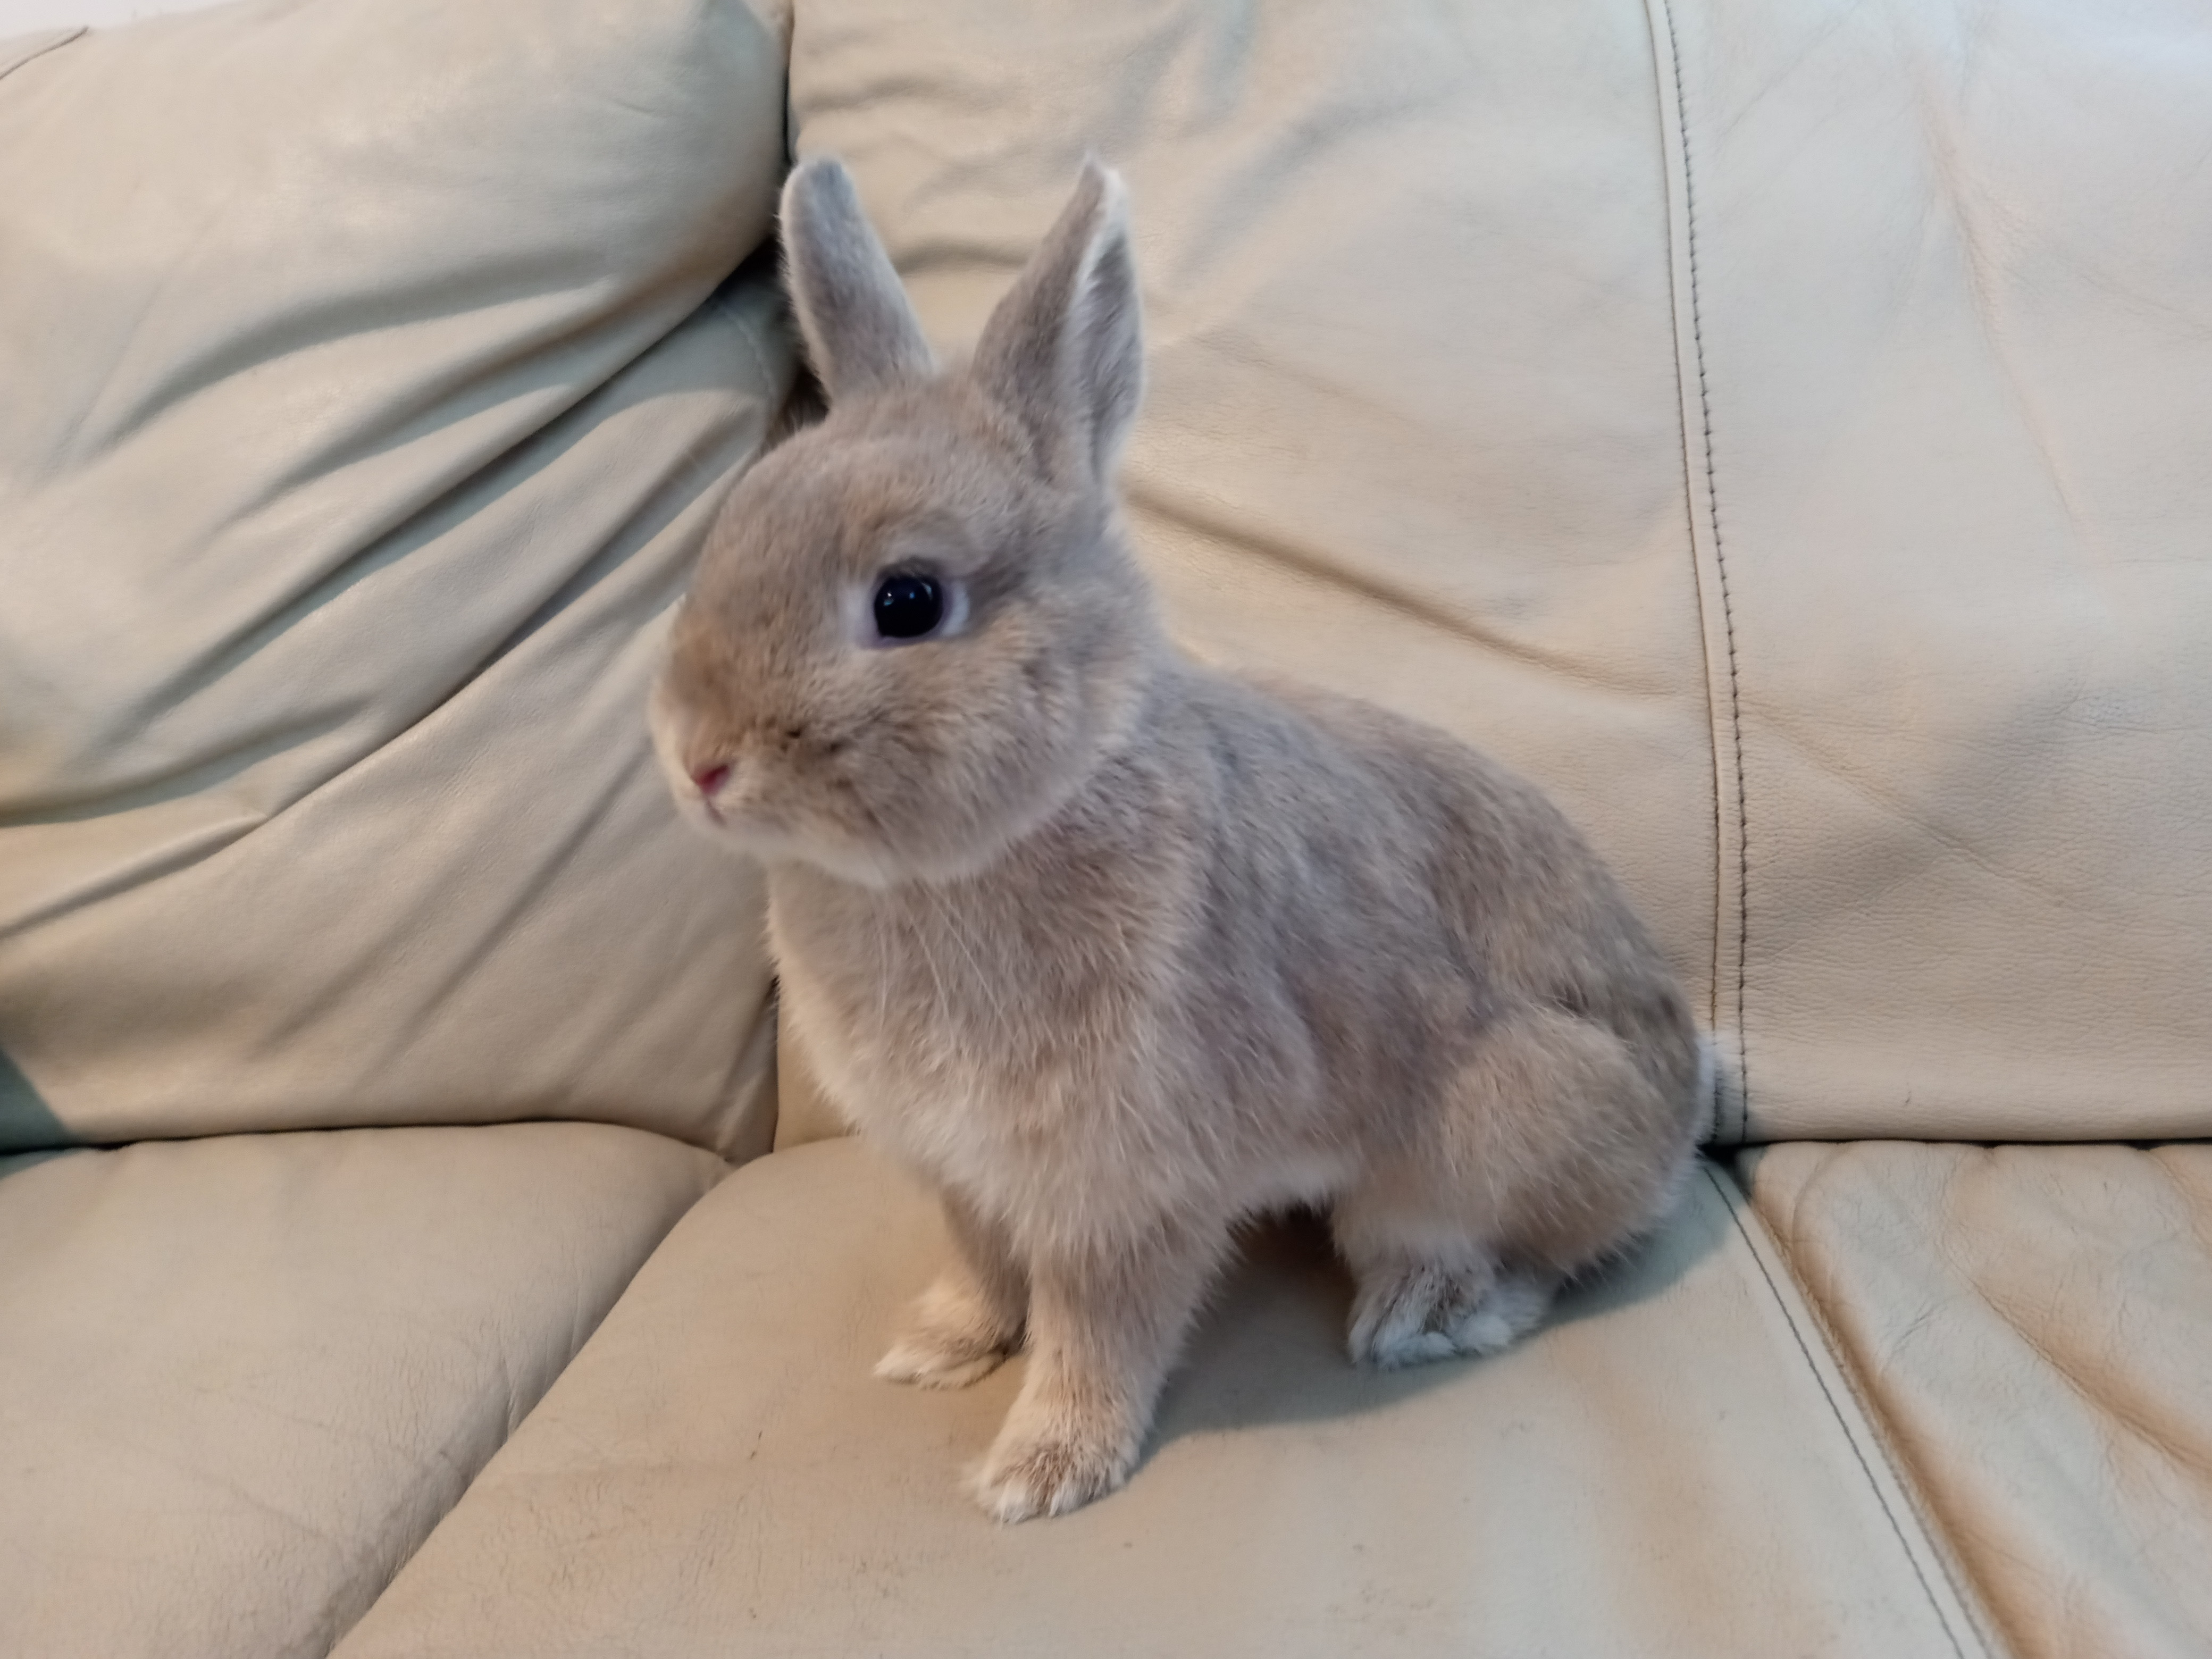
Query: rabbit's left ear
x=1065, y=350
x=860, y=331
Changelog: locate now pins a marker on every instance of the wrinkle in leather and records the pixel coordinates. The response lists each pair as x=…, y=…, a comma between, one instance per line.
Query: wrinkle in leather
x=241, y=1377
x=2033, y=1326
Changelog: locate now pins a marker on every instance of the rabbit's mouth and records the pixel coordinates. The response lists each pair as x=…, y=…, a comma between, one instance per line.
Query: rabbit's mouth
x=730, y=801
x=741, y=810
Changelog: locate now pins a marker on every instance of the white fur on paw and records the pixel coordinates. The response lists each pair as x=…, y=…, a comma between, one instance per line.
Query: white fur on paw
x=1392, y=1319
x=1419, y=1313
x=1514, y=1306
x=931, y=1361
x=1049, y=1475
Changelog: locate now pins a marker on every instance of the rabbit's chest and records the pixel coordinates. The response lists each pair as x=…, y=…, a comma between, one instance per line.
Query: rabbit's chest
x=972, y=1052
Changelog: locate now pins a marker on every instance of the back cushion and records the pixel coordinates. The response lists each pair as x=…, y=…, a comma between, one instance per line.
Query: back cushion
x=1954, y=281
x=366, y=404
x=1754, y=421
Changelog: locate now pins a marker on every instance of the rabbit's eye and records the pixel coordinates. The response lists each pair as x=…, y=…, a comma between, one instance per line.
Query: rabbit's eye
x=908, y=605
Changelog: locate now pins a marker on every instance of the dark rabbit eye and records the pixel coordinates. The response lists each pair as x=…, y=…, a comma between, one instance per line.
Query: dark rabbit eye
x=908, y=605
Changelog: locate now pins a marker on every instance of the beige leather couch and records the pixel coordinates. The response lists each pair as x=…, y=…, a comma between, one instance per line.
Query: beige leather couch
x=1783, y=427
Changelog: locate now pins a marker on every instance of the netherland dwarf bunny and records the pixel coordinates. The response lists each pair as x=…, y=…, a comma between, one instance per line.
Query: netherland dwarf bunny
x=1113, y=951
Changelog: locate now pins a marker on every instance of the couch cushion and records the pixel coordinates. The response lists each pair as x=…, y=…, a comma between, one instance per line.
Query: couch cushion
x=2033, y=1328
x=1789, y=453
x=1954, y=332
x=1661, y=1471
x=348, y=470
x=241, y=1378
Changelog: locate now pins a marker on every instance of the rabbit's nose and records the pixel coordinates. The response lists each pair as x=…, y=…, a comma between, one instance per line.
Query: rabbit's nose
x=709, y=778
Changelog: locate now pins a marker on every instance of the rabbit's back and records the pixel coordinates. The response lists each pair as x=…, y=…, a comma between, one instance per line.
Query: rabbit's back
x=1528, y=904
x=1410, y=892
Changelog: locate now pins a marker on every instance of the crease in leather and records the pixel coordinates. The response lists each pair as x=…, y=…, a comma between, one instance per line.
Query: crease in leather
x=553, y=859
x=675, y=490
x=1280, y=547
x=1814, y=40
x=176, y=852
x=1940, y=134
x=1810, y=1227
x=1896, y=804
x=686, y=478
x=269, y=1475
x=1262, y=182
x=2128, y=1411
x=658, y=503
x=21, y=49
x=1865, y=1428
x=91, y=428
x=410, y=526
x=751, y=1088
x=1698, y=459
x=200, y=774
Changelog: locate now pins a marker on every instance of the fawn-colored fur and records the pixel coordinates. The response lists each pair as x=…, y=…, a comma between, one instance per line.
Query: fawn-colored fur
x=1115, y=951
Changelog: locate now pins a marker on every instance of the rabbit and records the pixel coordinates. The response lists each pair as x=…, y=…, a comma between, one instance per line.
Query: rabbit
x=1112, y=951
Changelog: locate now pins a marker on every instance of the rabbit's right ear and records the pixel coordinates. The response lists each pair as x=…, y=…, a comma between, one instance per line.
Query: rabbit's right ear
x=860, y=331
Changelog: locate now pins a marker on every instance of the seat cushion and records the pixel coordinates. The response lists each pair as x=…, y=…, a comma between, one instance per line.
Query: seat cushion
x=2033, y=1328
x=241, y=1377
x=364, y=417
x=1661, y=1471
x=1764, y=422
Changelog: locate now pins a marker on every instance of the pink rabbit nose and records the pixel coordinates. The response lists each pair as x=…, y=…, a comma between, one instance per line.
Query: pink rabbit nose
x=710, y=778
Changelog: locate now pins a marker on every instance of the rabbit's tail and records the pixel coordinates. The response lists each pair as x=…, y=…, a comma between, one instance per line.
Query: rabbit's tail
x=1716, y=1091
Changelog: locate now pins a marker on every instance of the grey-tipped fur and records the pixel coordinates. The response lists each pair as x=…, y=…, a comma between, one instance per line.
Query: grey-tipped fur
x=860, y=331
x=1113, y=950
x=1065, y=349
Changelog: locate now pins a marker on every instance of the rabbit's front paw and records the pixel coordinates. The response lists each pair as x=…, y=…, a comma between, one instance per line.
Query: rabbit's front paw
x=953, y=1340
x=1029, y=1475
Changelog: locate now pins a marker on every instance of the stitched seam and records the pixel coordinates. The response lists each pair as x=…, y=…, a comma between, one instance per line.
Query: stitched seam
x=1705, y=644
x=1661, y=26
x=1957, y=1571
x=1727, y=608
x=1858, y=1454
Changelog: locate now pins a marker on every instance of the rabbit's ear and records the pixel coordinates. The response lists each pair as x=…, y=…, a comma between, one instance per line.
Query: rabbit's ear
x=1065, y=350
x=861, y=332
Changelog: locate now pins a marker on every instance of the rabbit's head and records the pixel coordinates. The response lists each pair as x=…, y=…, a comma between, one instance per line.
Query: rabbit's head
x=915, y=628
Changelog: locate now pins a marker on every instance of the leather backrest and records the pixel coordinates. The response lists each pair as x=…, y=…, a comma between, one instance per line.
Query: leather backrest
x=362, y=418
x=1776, y=425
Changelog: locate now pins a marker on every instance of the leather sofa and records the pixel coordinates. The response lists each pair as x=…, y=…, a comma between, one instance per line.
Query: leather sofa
x=1779, y=426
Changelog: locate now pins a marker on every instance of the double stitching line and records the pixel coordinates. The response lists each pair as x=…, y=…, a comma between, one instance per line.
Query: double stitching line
x=1728, y=607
